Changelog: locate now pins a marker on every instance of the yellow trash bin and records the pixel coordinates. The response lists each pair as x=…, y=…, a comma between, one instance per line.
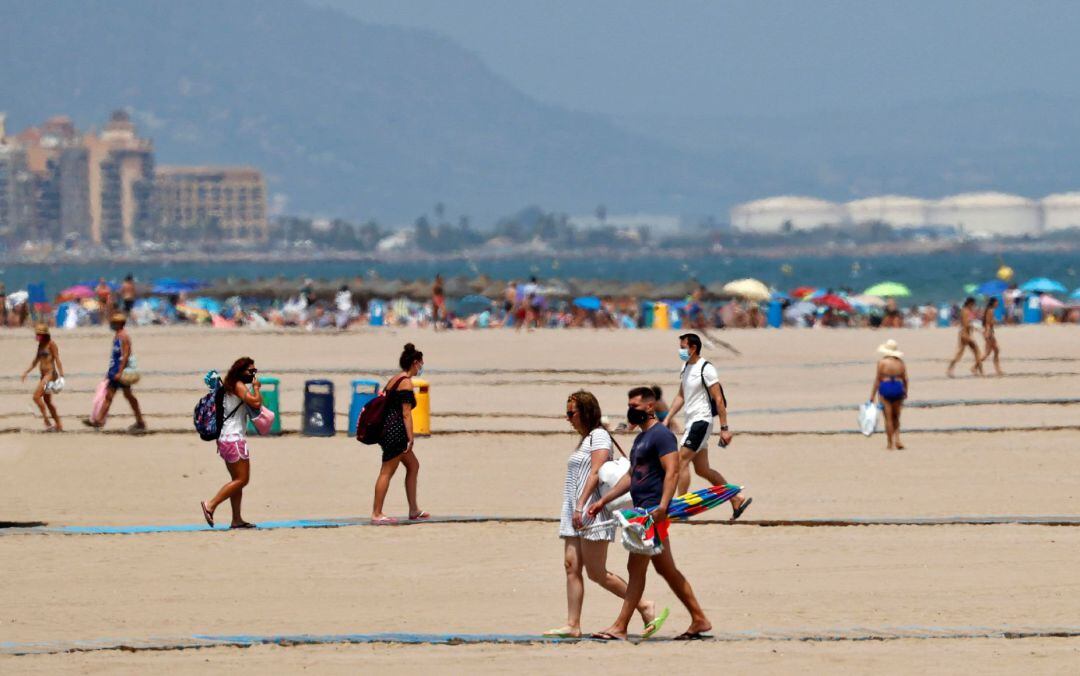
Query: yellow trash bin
x=661, y=316
x=421, y=413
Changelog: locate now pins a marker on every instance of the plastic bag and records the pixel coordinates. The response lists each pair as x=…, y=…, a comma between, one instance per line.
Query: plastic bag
x=868, y=418
x=610, y=473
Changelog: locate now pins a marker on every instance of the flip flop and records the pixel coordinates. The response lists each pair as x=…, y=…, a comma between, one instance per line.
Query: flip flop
x=207, y=515
x=384, y=521
x=691, y=636
x=421, y=516
x=657, y=622
x=242, y=525
x=605, y=636
x=741, y=509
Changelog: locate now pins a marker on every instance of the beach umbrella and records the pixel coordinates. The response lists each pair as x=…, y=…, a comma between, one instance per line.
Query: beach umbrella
x=77, y=292
x=471, y=304
x=835, y=302
x=888, y=289
x=994, y=287
x=1050, y=303
x=748, y=289
x=868, y=300
x=702, y=500
x=1043, y=285
x=1075, y=294
x=587, y=302
x=203, y=303
x=802, y=291
x=800, y=309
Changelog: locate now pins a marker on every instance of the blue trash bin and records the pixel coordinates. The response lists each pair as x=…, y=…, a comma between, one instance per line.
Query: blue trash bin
x=318, y=409
x=944, y=316
x=363, y=391
x=1033, y=313
x=776, y=314
x=377, y=313
x=999, y=309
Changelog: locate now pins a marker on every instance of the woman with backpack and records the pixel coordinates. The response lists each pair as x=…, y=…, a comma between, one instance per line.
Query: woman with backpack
x=396, y=439
x=232, y=438
x=585, y=546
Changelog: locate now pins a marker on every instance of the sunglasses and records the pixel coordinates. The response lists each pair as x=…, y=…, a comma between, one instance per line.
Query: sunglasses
x=253, y=371
x=570, y=414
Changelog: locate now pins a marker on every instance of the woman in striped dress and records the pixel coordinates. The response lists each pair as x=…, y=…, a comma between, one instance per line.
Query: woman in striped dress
x=587, y=547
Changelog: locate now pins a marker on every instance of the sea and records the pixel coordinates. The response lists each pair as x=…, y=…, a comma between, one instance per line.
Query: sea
x=933, y=277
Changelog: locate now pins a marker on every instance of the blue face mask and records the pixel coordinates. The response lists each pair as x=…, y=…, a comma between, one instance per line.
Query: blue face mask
x=419, y=371
x=684, y=354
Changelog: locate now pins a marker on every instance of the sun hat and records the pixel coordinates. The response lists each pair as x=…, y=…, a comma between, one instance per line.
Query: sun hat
x=118, y=318
x=41, y=329
x=888, y=348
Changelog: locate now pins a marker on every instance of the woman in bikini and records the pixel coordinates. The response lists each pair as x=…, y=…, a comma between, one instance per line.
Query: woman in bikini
x=47, y=359
x=989, y=323
x=891, y=389
x=397, y=438
x=586, y=546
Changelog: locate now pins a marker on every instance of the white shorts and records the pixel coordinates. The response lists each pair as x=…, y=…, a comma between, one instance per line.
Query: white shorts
x=696, y=436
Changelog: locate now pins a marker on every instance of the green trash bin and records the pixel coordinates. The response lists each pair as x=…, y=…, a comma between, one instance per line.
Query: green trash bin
x=270, y=400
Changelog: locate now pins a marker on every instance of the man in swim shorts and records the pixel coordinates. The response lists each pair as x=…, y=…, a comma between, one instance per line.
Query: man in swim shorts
x=702, y=399
x=654, y=467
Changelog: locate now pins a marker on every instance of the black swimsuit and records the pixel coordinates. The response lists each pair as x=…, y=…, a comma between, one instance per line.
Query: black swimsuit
x=395, y=438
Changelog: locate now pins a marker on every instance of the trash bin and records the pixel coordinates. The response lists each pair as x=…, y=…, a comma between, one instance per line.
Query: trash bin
x=661, y=319
x=271, y=400
x=944, y=313
x=318, y=409
x=363, y=391
x=421, y=413
x=999, y=309
x=1033, y=313
x=776, y=314
x=376, y=313
x=646, y=315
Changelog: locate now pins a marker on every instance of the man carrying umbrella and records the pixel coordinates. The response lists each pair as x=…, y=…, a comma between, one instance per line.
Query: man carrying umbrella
x=702, y=399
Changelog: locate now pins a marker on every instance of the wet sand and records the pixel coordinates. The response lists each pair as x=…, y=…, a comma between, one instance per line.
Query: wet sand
x=978, y=447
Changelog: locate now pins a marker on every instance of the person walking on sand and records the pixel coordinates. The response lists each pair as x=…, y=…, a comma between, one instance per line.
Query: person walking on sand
x=127, y=294
x=104, y=298
x=701, y=398
x=967, y=319
x=438, y=303
x=654, y=470
x=989, y=324
x=121, y=358
x=586, y=546
x=242, y=389
x=891, y=389
x=397, y=438
x=47, y=359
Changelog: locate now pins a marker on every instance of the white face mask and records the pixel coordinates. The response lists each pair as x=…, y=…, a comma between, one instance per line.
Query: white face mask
x=420, y=371
x=684, y=354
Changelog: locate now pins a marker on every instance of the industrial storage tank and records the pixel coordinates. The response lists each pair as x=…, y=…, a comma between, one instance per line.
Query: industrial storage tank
x=896, y=210
x=988, y=213
x=1061, y=211
x=772, y=213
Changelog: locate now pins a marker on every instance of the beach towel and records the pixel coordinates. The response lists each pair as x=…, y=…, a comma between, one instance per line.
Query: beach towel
x=868, y=417
x=99, y=403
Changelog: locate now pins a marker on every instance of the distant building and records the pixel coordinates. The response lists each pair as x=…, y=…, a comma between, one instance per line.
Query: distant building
x=988, y=214
x=231, y=200
x=17, y=192
x=776, y=214
x=897, y=211
x=1061, y=211
x=121, y=183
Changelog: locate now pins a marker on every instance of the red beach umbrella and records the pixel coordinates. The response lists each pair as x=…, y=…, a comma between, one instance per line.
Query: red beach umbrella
x=835, y=302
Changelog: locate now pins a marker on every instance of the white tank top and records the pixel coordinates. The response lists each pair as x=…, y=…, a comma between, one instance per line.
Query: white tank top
x=236, y=426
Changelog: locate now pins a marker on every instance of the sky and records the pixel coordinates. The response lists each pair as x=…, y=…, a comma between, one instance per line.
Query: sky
x=755, y=57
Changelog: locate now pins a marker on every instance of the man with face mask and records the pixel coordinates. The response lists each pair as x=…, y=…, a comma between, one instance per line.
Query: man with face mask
x=702, y=399
x=654, y=467
x=119, y=360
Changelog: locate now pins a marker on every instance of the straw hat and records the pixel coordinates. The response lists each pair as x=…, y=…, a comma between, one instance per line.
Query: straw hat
x=118, y=318
x=888, y=348
x=41, y=329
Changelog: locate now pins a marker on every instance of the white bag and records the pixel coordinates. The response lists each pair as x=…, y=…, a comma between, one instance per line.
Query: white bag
x=610, y=473
x=868, y=418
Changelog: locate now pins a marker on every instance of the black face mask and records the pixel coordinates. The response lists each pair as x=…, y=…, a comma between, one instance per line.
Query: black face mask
x=247, y=378
x=636, y=417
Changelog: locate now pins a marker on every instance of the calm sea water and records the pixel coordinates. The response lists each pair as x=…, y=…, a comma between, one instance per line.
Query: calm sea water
x=931, y=277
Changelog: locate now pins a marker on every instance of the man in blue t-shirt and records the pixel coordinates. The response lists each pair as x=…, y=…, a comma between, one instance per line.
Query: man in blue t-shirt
x=654, y=471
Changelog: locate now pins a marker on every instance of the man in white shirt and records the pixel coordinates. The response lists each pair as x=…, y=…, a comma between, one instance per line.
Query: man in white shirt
x=702, y=400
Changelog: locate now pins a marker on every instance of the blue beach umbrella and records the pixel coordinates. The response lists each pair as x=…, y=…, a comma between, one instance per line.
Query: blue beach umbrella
x=587, y=302
x=1075, y=294
x=472, y=304
x=994, y=287
x=1043, y=285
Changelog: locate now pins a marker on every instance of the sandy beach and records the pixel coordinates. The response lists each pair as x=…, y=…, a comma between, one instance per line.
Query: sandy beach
x=781, y=597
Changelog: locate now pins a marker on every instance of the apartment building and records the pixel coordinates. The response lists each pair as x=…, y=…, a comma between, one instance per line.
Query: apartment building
x=230, y=201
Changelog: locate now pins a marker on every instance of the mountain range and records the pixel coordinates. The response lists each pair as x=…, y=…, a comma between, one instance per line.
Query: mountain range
x=357, y=120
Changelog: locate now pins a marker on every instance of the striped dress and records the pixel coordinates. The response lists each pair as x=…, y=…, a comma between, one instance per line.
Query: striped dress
x=577, y=471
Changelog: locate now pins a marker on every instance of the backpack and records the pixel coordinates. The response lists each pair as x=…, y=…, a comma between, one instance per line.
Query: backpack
x=712, y=402
x=372, y=419
x=209, y=416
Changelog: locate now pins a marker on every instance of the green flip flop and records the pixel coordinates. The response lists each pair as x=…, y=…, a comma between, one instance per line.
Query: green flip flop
x=657, y=623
